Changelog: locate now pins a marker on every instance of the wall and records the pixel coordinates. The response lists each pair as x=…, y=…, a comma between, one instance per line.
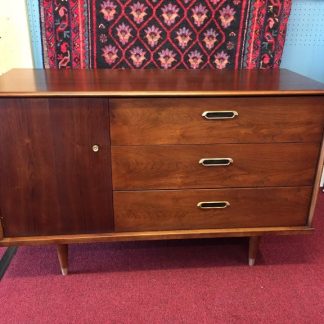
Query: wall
x=15, y=48
x=304, y=47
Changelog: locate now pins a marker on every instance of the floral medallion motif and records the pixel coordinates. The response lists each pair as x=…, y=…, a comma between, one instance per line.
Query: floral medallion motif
x=153, y=35
x=170, y=14
x=108, y=9
x=195, y=59
x=110, y=54
x=227, y=16
x=221, y=60
x=183, y=37
x=210, y=38
x=124, y=33
x=137, y=56
x=138, y=11
x=199, y=14
x=166, y=57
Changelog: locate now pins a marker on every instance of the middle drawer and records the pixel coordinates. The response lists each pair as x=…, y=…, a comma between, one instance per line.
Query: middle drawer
x=213, y=166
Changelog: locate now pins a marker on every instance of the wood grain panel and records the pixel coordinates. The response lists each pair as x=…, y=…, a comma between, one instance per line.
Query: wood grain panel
x=155, y=82
x=180, y=121
x=51, y=180
x=177, y=166
x=177, y=209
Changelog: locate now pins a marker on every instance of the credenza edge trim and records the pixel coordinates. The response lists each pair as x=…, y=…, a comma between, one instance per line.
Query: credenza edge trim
x=317, y=182
x=133, y=94
x=154, y=235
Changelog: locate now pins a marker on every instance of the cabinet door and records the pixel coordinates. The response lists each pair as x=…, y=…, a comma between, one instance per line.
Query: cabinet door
x=53, y=180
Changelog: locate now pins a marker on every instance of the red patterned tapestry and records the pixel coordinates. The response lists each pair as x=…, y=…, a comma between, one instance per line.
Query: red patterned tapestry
x=185, y=34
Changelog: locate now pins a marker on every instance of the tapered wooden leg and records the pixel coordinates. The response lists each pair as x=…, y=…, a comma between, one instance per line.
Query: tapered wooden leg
x=253, y=249
x=63, y=256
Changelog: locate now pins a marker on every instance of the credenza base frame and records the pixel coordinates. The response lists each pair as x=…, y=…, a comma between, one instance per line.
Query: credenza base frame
x=62, y=241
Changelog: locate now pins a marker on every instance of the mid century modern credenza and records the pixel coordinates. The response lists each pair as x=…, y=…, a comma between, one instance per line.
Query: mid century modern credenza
x=120, y=155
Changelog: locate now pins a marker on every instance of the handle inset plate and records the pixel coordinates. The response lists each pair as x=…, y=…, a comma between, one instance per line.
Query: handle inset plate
x=212, y=162
x=230, y=114
x=213, y=204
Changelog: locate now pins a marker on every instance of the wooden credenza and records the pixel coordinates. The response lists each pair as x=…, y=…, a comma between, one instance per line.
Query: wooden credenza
x=93, y=156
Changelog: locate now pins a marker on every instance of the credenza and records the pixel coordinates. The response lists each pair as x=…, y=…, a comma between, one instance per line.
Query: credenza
x=122, y=155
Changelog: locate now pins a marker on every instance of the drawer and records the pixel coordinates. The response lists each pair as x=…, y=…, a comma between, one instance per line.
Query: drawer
x=177, y=209
x=213, y=166
x=180, y=121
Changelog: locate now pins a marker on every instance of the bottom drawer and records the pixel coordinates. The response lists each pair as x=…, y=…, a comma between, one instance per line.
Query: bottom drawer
x=178, y=209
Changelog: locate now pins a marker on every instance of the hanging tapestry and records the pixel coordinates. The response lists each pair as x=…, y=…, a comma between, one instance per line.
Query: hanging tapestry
x=185, y=34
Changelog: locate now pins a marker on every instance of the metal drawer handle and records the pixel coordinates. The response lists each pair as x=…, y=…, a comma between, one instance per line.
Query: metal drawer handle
x=216, y=162
x=213, y=204
x=220, y=114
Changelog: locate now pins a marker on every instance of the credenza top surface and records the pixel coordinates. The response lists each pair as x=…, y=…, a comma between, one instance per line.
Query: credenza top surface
x=130, y=83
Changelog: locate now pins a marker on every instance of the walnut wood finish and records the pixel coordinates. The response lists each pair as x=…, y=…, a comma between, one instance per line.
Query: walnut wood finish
x=176, y=166
x=63, y=256
x=51, y=180
x=254, y=242
x=180, y=121
x=155, y=82
x=177, y=209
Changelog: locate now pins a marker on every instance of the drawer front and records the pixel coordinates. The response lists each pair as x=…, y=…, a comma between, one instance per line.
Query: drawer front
x=176, y=209
x=180, y=121
x=213, y=166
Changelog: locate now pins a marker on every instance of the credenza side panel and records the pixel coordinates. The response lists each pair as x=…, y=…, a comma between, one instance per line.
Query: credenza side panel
x=52, y=182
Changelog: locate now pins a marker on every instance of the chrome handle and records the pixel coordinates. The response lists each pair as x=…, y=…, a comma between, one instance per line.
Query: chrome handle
x=95, y=148
x=220, y=114
x=213, y=204
x=215, y=162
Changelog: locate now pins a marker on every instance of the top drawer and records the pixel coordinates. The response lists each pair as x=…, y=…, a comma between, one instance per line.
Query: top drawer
x=148, y=121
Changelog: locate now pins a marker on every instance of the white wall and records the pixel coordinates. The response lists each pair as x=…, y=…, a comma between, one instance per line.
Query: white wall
x=15, y=50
